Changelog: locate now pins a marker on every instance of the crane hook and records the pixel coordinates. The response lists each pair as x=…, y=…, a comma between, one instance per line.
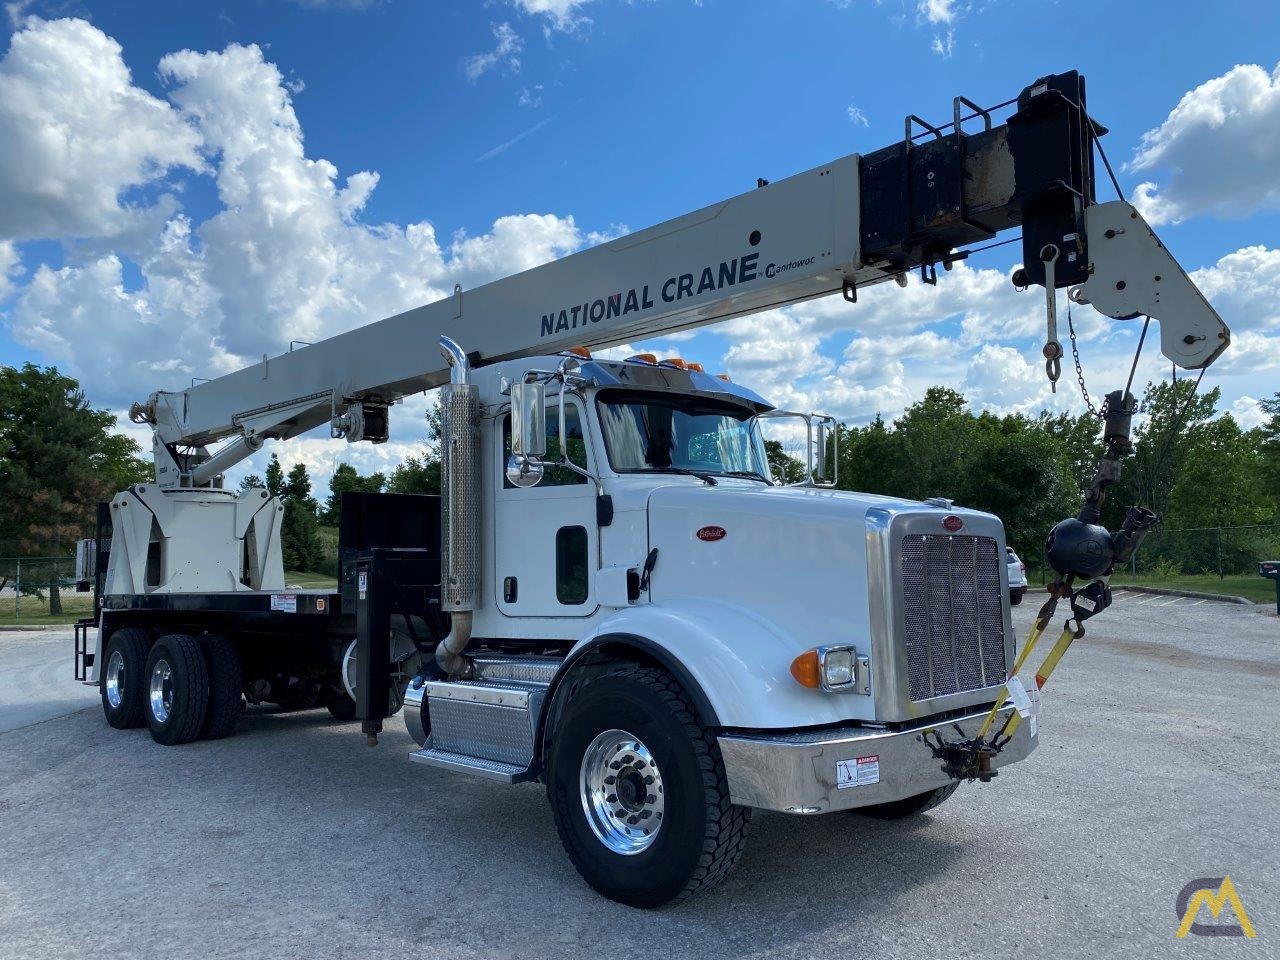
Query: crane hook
x=1052, y=347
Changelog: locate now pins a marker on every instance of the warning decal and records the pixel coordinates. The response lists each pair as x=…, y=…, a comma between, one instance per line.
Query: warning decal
x=858, y=772
x=284, y=602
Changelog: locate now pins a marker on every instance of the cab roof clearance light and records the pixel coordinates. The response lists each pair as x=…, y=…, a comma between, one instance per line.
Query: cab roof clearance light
x=675, y=362
x=648, y=358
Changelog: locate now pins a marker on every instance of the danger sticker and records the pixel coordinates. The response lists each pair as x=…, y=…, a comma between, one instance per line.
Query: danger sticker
x=284, y=603
x=858, y=772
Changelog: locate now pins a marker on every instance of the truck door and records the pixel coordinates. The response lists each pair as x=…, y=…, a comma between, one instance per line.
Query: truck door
x=546, y=550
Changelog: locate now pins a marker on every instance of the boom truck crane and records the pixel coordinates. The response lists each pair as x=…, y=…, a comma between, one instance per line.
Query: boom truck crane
x=613, y=595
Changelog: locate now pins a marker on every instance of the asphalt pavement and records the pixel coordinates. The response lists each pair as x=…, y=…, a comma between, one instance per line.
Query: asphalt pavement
x=1158, y=765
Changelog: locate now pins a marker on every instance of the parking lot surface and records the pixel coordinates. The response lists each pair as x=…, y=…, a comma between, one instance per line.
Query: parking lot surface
x=1158, y=765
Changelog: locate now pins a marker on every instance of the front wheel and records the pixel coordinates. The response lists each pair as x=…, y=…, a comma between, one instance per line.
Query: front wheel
x=1015, y=597
x=638, y=788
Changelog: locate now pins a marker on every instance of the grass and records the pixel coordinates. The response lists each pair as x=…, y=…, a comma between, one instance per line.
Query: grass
x=34, y=611
x=1250, y=586
x=309, y=581
x=41, y=618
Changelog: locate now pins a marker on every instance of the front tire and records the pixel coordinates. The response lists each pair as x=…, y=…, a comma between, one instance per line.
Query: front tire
x=1015, y=597
x=638, y=789
x=177, y=692
x=122, y=683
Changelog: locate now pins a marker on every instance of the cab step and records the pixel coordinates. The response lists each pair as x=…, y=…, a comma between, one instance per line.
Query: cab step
x=488, y=769
x=488, y=726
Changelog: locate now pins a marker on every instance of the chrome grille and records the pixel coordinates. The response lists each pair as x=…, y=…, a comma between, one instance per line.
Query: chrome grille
x=954, y=614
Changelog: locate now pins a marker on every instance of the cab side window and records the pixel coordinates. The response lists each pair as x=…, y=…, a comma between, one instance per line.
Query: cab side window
x=553, y=476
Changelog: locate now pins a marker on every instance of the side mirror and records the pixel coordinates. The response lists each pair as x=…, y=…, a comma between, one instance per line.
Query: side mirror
x=523, y=473
x=528, y=421
x=826, y=426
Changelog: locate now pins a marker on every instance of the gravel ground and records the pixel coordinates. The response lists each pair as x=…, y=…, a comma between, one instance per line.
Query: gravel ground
x=1158, y=765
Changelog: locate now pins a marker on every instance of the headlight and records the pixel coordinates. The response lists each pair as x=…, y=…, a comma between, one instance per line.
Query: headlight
x=833, y=669
x=837, y=667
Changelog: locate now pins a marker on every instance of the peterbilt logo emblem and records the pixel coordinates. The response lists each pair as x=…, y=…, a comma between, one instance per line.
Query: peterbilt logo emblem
x=953, y=523
x=710, y=534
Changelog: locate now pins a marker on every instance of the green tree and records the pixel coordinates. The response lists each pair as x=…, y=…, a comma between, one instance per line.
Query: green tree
x=251, y=482
x=868, y=458
x=1080, y=438
x=300, y=529
x=1268, y=441
x=58, y=458
x=784, y=467
x=1218, y=485
x=416, y=475
x=346, y=479
x=1174, y=417
x=1023, y=476
x=932, y=444
x=275, y=476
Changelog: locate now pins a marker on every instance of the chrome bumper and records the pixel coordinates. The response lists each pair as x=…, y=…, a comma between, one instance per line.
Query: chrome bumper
x=826, y=770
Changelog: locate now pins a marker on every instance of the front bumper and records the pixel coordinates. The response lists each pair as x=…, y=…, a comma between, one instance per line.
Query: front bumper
x=825, y=770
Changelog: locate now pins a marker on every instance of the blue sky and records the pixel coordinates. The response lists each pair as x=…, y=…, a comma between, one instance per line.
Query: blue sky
x=145, y=183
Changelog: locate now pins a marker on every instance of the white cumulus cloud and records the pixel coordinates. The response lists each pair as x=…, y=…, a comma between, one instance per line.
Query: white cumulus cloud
x=287, y=257
x=77, y=134
x=10, y=267
x=505, y=53
x=1218, y=150
x=561, y=14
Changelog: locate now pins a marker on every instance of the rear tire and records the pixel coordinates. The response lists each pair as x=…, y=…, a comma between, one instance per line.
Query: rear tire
x=669, y=832
x=177, y=691
x=1015, y=597
x=909, y=806
x=226, y=681
x=122, y=681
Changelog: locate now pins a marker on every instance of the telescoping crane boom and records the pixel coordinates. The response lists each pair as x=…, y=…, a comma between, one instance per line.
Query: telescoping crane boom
x=839, y=227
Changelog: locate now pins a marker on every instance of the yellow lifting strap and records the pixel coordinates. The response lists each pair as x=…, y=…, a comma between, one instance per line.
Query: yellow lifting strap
x=1032, y=638
x=1057, y=590
x=1042, y=675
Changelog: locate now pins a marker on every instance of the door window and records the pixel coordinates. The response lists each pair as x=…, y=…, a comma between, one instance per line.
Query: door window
x=553, y=476
x=571, y=565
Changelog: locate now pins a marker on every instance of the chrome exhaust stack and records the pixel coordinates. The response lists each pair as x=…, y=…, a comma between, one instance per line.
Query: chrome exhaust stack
x=460, y=510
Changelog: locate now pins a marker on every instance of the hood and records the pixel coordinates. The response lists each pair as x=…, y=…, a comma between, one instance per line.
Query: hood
x=815, y=566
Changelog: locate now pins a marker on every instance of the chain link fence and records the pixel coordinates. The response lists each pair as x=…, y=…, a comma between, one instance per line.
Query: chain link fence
x=35, y=589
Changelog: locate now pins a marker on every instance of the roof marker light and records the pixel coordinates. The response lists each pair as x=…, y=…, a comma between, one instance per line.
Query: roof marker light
x=696, y=368
x=674, y=362
x=648, y=358
x=581, y=352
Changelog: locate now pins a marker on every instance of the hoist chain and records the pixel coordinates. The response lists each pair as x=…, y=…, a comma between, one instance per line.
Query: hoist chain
x=1075, y=355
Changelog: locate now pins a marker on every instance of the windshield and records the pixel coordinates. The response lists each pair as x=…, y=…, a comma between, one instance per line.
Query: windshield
x=680, y=433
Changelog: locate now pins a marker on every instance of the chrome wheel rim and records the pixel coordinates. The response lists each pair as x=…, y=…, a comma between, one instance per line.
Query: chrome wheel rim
x=161, y=690
x=114, y=680
x=622, y=796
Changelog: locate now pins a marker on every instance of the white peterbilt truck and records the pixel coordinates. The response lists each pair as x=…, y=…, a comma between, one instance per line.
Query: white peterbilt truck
x=613, y=595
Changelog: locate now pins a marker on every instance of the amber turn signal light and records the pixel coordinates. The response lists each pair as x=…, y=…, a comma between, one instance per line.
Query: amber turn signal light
x=806, y=669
